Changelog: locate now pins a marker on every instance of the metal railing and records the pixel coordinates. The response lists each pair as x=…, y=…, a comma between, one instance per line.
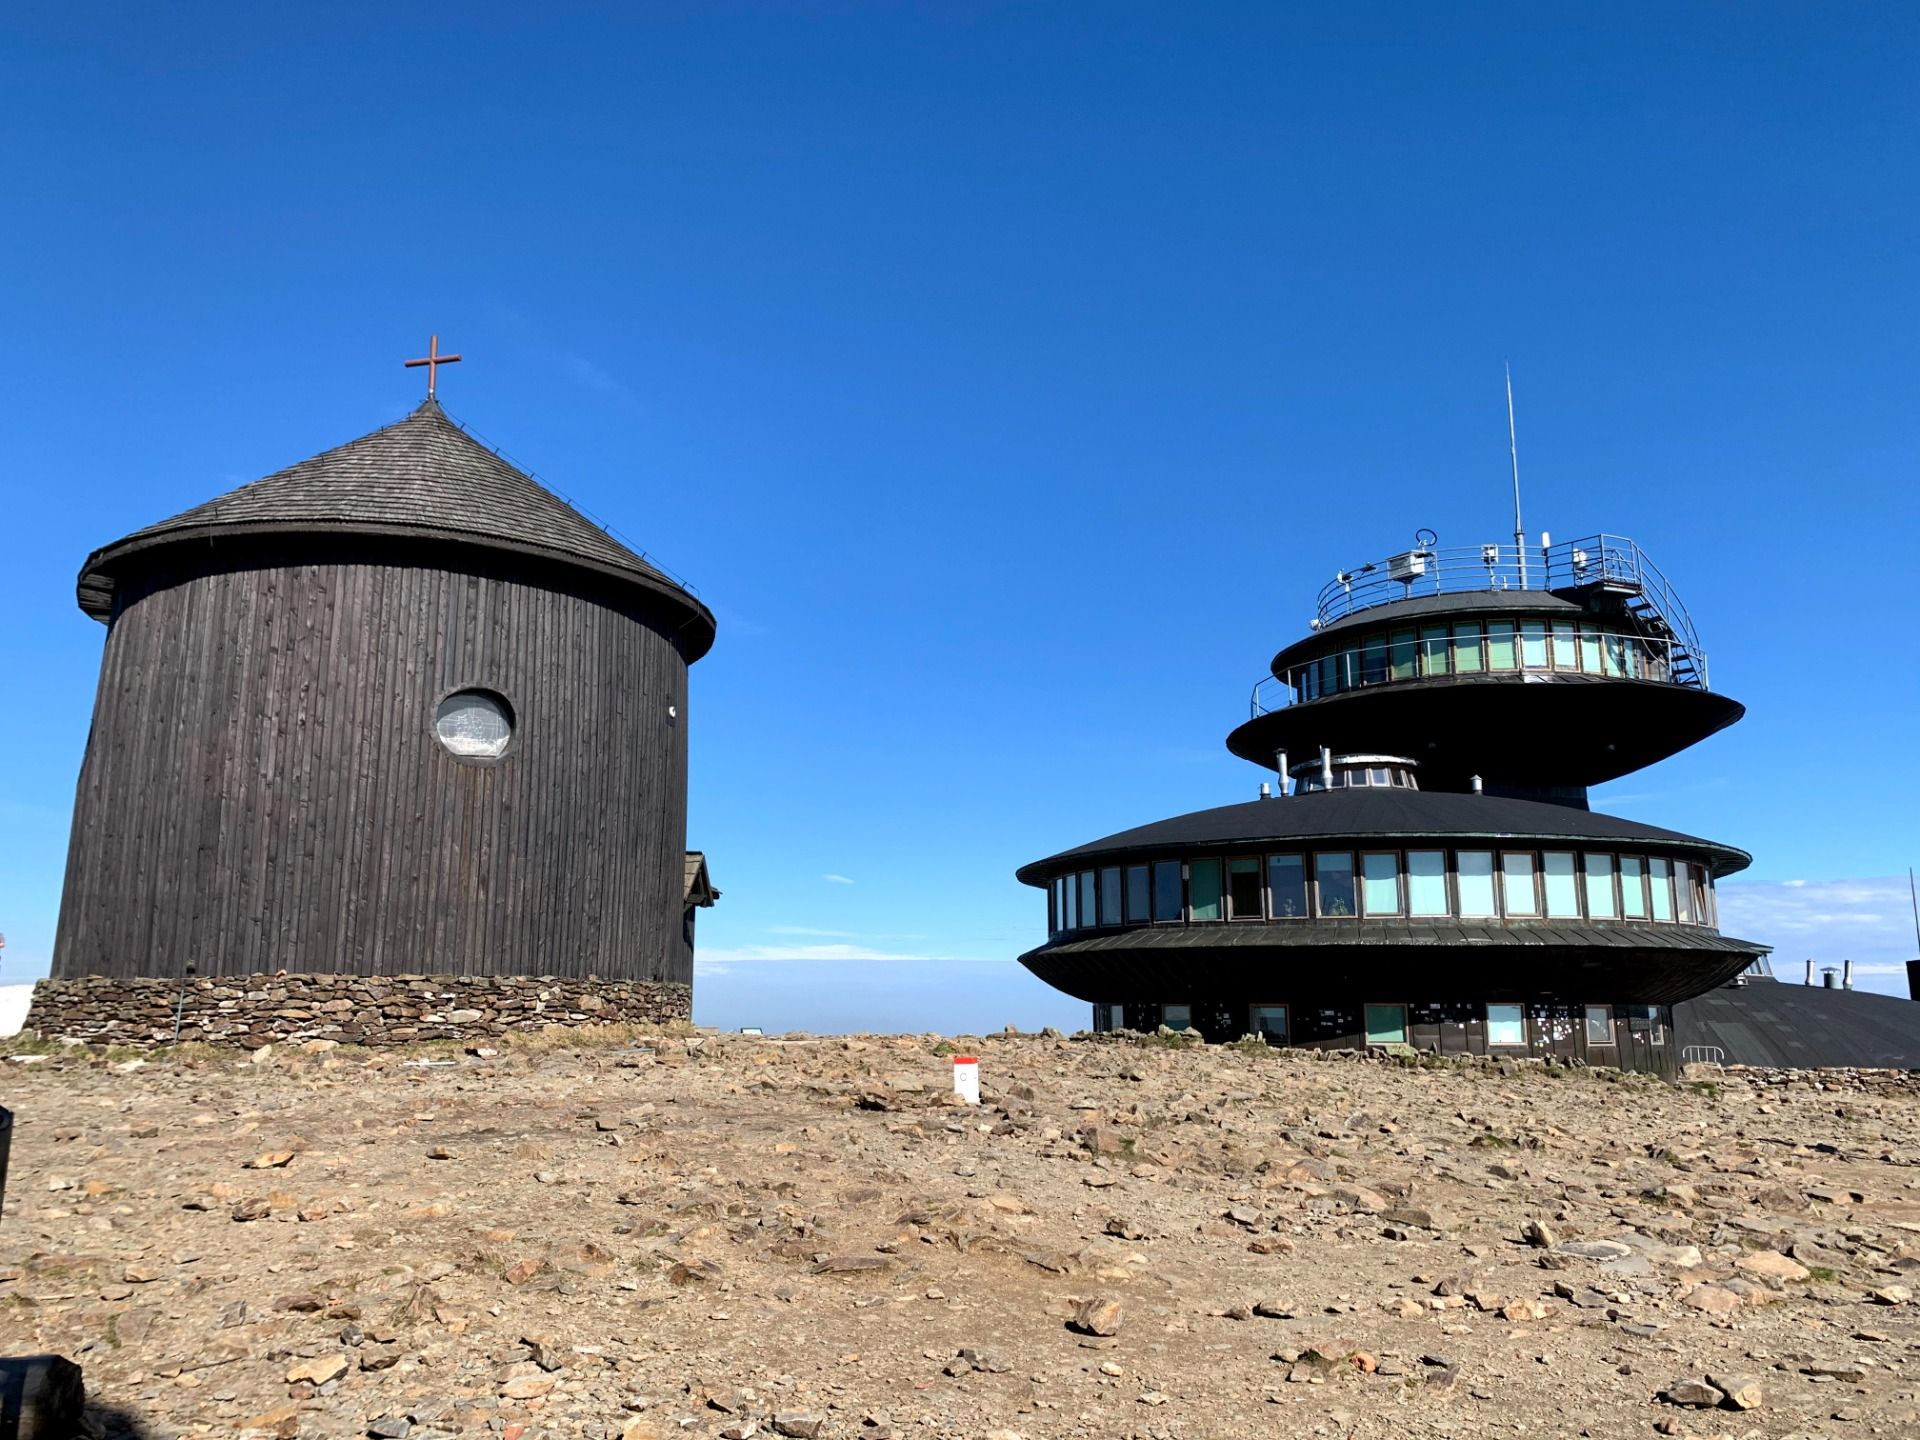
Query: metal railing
x=1374, y=658
x=1702, y=1055
x=1609, y=562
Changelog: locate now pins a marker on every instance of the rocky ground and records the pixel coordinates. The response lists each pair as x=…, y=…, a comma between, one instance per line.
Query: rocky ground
x=727, y=1236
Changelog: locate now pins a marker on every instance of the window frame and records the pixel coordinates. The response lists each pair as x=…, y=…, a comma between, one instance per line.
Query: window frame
x=1507, y=912
x=1612, y=886
x=1362, y=880
x=1306, y=886
x=1319, y=909
x=1366, y=1021
x=1639, y=891
x=1573, y=879
x=1459, y=885
x=1220, y=902
x=1586, y=1025
x=1156, y=869
x=1286, y=1022
x=1486, y=1016
x=1259, y=885
x=1446, y=889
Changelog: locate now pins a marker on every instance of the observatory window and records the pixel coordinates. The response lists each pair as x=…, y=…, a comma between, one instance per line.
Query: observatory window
x=1269, y=1021
x=1590, y=651
x=1506, y=1025
x=1243, y=888
x=1600, y=1024
x=1566, y=645
x=1287, y=885
x=1563, y=892
x=1333, y=877
x=1177, y=1017
x=1476, y=883
x=1600, y=899
x=1633, y=887
x=1682, y=893
x=1466, y=648
x=1386, y=1024
x=1400, y=652
x=1616, y=656
x=1659, y=880
x=1087, y=903
x=1373, y=660
x=1426, y=882
x=1203, y=889
x=1067, y=918
x=1110, y=896
x=1516, y=878
x=1500, y=651
x=1380, y=883
x=1139, y=894
x=1167, y=895
x=1434, y=644
x=1329, y=674
x=1533, y=644
x=474, y=724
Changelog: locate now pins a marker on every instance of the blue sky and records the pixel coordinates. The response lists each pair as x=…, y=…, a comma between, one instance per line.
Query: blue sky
x=1008, y=377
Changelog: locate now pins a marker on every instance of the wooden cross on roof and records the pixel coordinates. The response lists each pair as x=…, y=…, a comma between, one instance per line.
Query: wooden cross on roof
x=433, y=360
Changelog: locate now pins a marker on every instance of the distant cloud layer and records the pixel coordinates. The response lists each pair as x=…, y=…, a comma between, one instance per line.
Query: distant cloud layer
x=1869, y=922
x=836, y=879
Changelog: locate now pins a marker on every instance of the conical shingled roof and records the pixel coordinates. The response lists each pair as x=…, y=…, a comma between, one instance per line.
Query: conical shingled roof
x=422, y=475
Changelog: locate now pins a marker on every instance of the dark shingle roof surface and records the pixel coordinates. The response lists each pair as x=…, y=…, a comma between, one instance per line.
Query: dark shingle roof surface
x=1382, y=814
x=422, y=475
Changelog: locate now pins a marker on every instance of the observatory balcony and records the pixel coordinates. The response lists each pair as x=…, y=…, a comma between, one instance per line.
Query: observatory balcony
x=1481, y=649
x=1598, y=565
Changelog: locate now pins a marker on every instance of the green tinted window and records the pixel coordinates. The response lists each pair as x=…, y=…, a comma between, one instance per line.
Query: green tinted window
x=1476, y=883
x=1386, y=1024
x=1659, y=881
x=1426, y=882
x=1203, y=889
x=1633, y=887
x=1400, y=654
x=1600, y=903
x=1563, y=893
x=1466, y=649
x=1533, y=644
x=1500, y=648
x=1433, y=650
x=1566, y=646
x=1380, y=883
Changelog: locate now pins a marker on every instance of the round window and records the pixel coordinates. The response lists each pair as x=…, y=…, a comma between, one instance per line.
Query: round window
x=474, y=724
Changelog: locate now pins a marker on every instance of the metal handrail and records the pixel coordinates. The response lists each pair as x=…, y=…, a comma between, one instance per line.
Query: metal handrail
x=1612, y=562
x=1648, y=658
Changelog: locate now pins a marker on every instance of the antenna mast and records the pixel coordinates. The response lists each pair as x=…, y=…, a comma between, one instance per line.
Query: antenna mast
x=1915, y=896
x=1513, y=449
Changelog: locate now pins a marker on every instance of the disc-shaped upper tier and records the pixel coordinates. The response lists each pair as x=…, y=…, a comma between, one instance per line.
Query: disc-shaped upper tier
x=422, y=478
x=1527, y=689
x=1346, y=895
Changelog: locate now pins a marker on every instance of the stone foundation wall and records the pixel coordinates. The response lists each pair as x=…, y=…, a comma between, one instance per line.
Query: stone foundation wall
x=256, y=1010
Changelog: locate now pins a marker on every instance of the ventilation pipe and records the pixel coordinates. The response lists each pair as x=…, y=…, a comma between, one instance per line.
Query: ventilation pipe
x=1846, y=975
x=1266, y=791
x=1280, y=764
x=1326, y=768
x=1829, y=977
x=1809, y=970
x=1476, y=786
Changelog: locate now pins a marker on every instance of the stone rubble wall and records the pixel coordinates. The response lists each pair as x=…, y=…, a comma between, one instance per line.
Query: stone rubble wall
x=256, y=1010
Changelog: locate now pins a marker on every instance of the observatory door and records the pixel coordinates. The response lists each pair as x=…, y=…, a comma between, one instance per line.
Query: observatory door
x=1556, y=1031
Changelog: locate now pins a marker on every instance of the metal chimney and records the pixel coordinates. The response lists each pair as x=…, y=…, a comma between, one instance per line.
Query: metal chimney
x=1846, y=975
x=1829, y=977
x=1266, y=791
x=1809, y=970
x=1476, y=786
x=1280, y=764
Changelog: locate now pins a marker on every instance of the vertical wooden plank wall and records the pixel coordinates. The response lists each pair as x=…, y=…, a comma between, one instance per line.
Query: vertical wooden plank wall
x=263, y=789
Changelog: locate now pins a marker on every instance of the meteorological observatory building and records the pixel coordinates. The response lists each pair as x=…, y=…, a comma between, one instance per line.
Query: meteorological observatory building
x=389, y=744
x=1429, y=873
